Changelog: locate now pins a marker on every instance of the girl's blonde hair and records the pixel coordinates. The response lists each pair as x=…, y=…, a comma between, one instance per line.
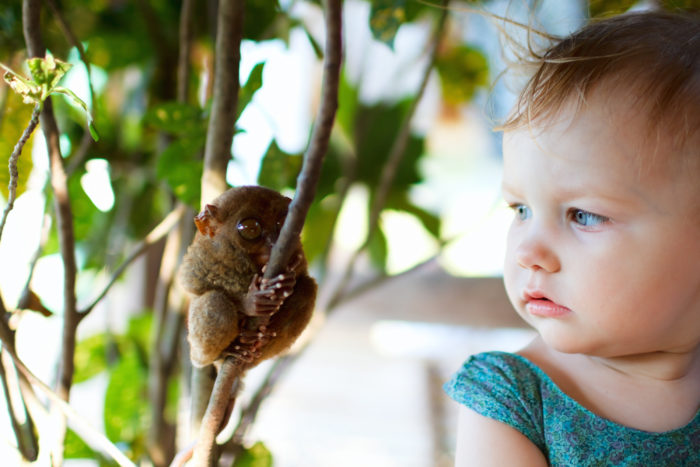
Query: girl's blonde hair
x=653, y=56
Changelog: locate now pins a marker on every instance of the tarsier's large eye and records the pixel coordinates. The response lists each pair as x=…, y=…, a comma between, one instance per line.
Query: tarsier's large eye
x=249, y=229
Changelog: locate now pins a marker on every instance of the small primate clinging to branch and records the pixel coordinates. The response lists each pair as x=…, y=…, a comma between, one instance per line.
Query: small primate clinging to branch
x=223, y=269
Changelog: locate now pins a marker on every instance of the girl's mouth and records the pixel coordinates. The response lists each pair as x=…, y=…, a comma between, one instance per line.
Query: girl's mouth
x=545, y=308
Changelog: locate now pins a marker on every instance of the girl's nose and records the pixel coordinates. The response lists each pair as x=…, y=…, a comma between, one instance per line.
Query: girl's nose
x=536, y=253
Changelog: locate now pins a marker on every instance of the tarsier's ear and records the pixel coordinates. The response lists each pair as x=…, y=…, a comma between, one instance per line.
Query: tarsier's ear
x=207, y=221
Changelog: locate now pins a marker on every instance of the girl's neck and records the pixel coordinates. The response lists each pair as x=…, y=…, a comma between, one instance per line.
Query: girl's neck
x=659, y=366
x=666, y=384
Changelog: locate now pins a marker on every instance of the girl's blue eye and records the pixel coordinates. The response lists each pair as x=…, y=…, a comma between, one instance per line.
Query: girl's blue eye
x=587, y=219
x=522, y=212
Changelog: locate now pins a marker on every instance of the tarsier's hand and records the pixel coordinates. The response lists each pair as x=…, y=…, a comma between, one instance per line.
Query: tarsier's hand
x=265, y=296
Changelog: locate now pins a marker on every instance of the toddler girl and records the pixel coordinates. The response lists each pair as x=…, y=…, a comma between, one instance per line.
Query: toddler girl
x=602, y=170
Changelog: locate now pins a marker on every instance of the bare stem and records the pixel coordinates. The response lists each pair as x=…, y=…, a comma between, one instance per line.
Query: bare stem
x=217, y=151
x=205, y=449
x=14, y=157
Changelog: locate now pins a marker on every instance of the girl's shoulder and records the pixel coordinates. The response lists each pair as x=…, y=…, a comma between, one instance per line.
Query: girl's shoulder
x=513, y=390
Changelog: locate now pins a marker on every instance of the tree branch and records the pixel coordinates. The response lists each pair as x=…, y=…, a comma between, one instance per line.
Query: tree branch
x=275, y=372
x=307, y=182
x=31, y=24
x=217, y=150
x=393, y=162
x=222, y=120
x=153, y=237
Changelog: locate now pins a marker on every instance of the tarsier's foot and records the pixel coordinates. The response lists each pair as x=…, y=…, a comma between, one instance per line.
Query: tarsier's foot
x=265, y=296
x=246, y=347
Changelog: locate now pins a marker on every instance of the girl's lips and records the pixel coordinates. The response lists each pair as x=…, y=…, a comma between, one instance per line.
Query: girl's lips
x=545, y=308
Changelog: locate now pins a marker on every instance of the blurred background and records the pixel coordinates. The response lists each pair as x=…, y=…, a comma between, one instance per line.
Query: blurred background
x=408, y=289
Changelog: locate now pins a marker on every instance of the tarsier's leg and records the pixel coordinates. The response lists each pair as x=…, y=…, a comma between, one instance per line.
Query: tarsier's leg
x=212, y=325
x=265, y=296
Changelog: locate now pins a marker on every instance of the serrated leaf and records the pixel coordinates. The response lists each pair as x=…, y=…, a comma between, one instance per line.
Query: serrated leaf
x=278, y=169
x=256, y=456
x=47, y=71
x=29, y=90
x=386, y=17
x=90, y=357
x=180, y=166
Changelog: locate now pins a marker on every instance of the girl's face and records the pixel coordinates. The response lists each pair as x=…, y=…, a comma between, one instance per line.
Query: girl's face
x=603, y=255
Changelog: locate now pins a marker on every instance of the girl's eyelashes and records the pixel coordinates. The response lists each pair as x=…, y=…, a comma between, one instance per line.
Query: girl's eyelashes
x=586, y=219
x=578, y=216
x=521, y=211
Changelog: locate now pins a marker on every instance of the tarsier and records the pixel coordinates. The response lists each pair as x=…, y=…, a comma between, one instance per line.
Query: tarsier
x=223, y=270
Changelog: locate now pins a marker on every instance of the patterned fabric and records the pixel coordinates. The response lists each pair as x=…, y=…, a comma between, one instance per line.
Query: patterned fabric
x=512, y=390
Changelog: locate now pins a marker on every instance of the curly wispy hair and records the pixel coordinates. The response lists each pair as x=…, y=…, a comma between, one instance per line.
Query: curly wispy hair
x=652, y=56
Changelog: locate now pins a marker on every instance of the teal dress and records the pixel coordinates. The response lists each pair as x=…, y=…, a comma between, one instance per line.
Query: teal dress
x=514, y=391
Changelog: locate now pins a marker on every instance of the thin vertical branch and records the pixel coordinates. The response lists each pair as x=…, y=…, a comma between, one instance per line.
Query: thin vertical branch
x=391, y=166
x=304, y=196
x=22, y=423
x=31, y=14
x=217, y=152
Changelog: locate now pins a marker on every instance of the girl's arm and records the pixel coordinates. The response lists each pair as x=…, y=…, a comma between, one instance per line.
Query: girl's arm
x=485, y=442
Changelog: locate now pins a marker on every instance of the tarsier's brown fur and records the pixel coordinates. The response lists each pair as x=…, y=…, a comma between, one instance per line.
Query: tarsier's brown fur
x=223, y=270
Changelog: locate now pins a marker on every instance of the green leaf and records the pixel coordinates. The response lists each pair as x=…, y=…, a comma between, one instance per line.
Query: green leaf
x=604, y=8
x=125, y=405
x=462, y=70
x=259, y=18
x=348, y=98
x=181, y=166
x=17, y=116
x=245, y=94
x=139, y=330
x=400, y=202
x=177, y=118
x=318, y=227
x=376, y=130
x=377, y=249
x=75, y=448
x=79, y=102
x=90, y=357
x=279, y=170
x=256, y=456
x=386, y=16
x=47, y=71
x=29, y=90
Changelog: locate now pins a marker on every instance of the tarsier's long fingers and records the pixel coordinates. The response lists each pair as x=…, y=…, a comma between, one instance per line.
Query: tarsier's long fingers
x=265, y=296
